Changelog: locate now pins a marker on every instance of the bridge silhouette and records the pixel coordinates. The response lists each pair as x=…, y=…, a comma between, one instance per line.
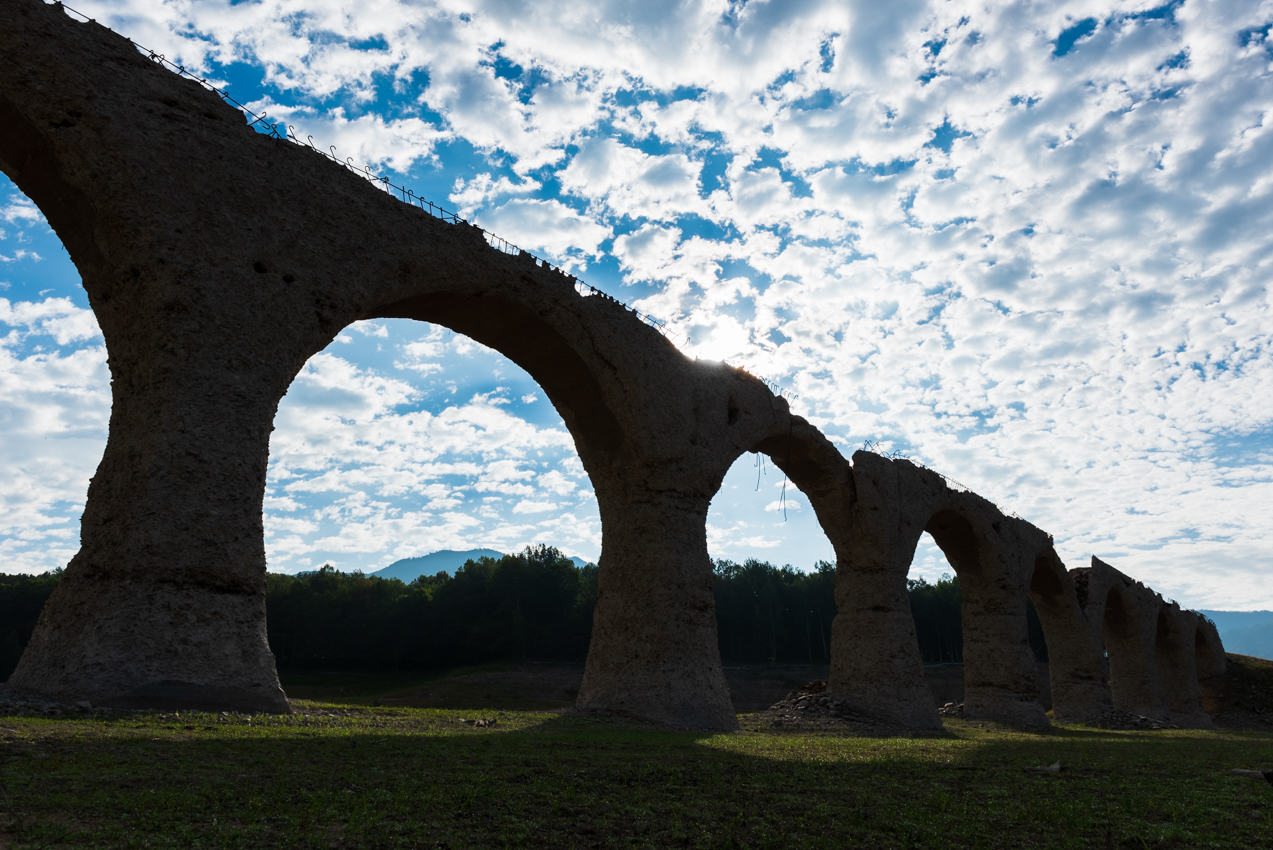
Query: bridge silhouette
x=219, y=255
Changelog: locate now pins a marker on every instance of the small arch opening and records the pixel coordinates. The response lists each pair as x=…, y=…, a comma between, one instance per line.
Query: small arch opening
x=1167, y=636
x=1208, y=655
x=773, y=583
x=937, y=601
x=1117, y=625
x=1048, y=598
x=1169, y=649
x=955, y=536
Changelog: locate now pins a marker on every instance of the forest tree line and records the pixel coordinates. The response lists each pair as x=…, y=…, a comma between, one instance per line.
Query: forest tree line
x=536, y=605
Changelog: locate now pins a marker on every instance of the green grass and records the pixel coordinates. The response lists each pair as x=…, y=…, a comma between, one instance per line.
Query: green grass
x=403, y=777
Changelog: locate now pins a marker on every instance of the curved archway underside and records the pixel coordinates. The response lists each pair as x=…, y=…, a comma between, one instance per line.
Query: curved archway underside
x=218, y=260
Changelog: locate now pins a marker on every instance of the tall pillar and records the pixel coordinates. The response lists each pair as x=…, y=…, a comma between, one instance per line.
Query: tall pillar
x=986, y=550
x=876, y=667
x=1080, y=692
x=1128, y=627
x=164, y=605
x=655, y=652
x=1177, y=668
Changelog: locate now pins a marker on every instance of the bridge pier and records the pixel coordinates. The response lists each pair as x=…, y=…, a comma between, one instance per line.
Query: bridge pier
x=210, y=303
x=655, y=652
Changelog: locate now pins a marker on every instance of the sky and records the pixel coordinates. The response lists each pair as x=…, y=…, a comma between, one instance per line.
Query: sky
x=1025, y=244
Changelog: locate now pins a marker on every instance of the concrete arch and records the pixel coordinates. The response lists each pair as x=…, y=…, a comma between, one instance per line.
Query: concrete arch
x=876, y=665
x=1155, y=651
x=875, y=662
x=1076, y=668
x=1128, y=627
x=217, y=260
x=1122, y=615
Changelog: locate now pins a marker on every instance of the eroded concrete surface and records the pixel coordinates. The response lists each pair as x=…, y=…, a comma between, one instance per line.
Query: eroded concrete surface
x=218, y=260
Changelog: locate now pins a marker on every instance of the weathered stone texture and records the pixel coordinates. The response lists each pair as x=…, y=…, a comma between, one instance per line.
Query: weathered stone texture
x=1151, y=646
x=895, y=503
x=218, y=260
x=1080, y=691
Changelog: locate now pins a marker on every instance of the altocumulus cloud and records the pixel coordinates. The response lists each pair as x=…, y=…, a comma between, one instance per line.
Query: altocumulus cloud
x=1024, y=243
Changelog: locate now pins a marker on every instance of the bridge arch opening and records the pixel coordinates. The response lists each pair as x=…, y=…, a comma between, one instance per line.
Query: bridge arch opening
x=57, y=391
x=402, y=438
x=1075, y=675
x=1128, y=630
x=774, y=571
x=1000, y=673
x=774, y=579
x=1208, y=653
x=935, y=595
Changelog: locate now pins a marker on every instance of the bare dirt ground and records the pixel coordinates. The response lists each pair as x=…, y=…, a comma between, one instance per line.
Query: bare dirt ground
x=522, y=686
x=1242, y=699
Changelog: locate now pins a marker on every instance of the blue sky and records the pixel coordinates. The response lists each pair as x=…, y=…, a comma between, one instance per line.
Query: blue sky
x=1024, y=243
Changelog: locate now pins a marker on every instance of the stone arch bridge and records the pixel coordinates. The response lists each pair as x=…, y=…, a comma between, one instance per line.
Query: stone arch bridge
x=218, y=260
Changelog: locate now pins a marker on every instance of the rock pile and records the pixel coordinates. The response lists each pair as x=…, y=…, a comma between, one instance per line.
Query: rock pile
x=486, y=723
x=22, y=705
x=1113, y=718
x=1110, y=718
x=811, y=705
x=1266, y=775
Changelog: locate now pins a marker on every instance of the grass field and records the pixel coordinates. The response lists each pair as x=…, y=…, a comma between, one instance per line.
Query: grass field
x=348, y=775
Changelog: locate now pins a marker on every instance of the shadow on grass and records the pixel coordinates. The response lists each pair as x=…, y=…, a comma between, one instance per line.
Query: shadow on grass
x=409, y=778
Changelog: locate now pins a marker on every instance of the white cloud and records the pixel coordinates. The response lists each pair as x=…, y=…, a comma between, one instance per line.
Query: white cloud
x=1045, y=275
x=19, y=210
x=547, y=226
x=734, y=536
x=635, y=184
x=471, y=195
x=529, y=507
x=55, y=317
x=54, y=415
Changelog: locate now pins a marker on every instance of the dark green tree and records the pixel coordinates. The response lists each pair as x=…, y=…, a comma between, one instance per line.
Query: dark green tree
x=768, y=614
x=535, y=605
x=22, y=597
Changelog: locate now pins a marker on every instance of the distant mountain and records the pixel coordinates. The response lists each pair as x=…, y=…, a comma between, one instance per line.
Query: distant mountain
x=448, y=560
x=1245, y=632
x=1228, y=620
x=1256, y=640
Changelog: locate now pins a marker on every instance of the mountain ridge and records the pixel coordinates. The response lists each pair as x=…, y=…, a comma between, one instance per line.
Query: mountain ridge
x=443, y=560
x=1244, y=632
